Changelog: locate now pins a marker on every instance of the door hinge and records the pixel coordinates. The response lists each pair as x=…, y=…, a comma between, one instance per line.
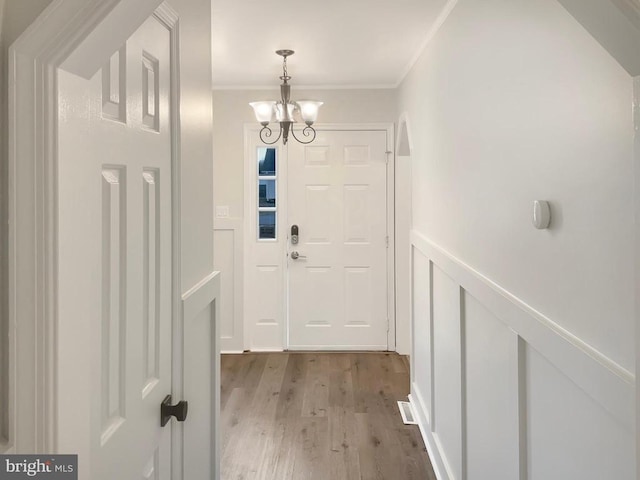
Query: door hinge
x=386, y=159
x=386, y=239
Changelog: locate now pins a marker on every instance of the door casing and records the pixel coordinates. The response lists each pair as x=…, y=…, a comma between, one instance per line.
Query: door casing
x=250, y=134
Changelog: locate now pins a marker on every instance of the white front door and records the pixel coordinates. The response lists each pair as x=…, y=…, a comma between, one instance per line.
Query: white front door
x=115, y=261
x=334, y=295
x=337, y=198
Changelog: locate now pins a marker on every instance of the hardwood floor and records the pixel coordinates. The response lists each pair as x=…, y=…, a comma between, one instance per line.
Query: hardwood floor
x=321, y=416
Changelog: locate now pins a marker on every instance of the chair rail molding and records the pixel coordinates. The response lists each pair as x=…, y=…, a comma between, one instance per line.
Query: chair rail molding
x=467, y=331
x=587, y=367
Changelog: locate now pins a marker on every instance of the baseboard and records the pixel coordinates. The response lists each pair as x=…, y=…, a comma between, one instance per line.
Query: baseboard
x=338, y=348
x=427, y=436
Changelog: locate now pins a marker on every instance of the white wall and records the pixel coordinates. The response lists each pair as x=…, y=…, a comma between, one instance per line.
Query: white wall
x=514, y=101
x=231, y=111
x=196, y=139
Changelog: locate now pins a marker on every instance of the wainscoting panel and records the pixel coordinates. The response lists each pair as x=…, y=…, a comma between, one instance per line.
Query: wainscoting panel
x=569, y=435
x=199, y=381
x=502, y=392
x=421, y=363
x=447, y=362
x=227, y=259
x=491, y=361
x=224, y=242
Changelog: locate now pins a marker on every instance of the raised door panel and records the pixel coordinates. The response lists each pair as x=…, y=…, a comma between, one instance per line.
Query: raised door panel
x=113, y=348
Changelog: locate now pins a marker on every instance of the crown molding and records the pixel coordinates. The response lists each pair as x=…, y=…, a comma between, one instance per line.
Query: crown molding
x=630, y=9
x=435, y=28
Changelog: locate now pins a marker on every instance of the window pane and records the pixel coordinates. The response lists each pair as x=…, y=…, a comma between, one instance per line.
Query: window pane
x=267, y=224
x=266, y=161
x=267, y=193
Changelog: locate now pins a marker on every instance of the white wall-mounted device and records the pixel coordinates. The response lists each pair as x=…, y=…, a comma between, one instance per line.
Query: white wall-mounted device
x=541, y=214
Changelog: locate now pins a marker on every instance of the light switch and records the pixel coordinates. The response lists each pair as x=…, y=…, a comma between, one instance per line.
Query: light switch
x=222, y=211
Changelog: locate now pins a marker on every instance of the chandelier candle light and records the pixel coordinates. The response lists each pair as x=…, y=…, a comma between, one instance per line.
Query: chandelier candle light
x=285, y=110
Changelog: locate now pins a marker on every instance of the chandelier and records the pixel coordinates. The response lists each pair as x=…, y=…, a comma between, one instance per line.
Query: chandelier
x=285, y=111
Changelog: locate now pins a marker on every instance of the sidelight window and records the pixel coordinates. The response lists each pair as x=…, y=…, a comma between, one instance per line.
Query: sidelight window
x=267, y=193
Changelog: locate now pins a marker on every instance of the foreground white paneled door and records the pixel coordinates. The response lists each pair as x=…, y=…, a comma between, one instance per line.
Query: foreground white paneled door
x=115, y=261
x=337, y=272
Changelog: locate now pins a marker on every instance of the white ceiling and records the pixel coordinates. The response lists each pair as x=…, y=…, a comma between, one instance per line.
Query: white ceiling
x=338, y=43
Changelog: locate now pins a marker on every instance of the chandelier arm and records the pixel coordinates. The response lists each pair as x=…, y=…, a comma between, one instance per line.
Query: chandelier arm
x=306, y=131
x=265, y=111
x=266, y=132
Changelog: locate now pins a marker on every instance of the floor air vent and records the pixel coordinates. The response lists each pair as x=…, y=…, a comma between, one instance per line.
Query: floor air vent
x=407, y=413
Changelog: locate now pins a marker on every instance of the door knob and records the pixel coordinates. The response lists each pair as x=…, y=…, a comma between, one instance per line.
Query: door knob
x=179, y=410
x=295, y=255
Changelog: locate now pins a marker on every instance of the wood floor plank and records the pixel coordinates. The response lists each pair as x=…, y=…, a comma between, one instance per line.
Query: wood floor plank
x=240, y=371
x=230, y=415
x=368, y=443
x=243, y=459
x=312, y=450
x=291, y=398
x=344, y=459
x=316, y=386
x=340, y=381
x=399, y=365
x=288, y=411
x=318, y=416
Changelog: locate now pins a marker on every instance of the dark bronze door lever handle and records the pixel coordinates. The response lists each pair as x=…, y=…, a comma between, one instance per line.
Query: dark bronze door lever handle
x=179, y=410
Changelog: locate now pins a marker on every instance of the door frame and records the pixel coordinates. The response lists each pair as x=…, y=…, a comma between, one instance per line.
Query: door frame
x=388, y=128
x=403, y=224
x=79, y=36
x=636, y=209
